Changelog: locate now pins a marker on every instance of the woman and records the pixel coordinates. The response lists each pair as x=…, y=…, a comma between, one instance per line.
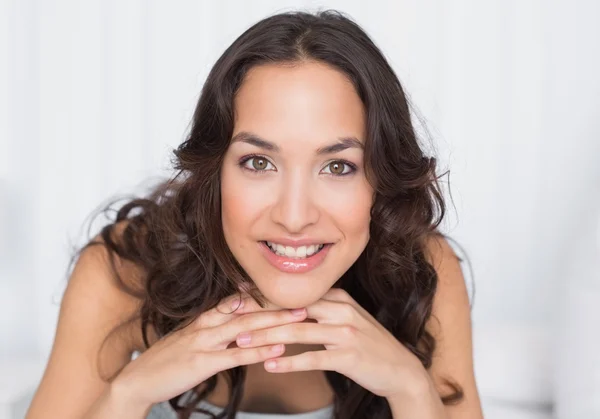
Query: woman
x=293, y=265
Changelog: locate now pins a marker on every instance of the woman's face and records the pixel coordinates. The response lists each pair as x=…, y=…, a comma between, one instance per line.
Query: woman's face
x=297, y=192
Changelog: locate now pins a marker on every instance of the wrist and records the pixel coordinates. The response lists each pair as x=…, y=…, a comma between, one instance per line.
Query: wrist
x=122, y=398
x=416, y=383
x=114, y=403
x=420, y=398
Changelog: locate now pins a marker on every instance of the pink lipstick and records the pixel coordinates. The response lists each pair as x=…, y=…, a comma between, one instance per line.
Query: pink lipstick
x=294, y=265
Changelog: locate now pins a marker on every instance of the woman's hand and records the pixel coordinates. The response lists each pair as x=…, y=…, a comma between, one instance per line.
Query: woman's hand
x=186, y=357
x=357, y=346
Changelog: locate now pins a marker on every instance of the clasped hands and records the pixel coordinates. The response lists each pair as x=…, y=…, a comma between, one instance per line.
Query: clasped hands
x=356, y=345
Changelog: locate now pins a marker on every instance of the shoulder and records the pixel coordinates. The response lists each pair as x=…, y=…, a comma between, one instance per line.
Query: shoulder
x=100, y=285
x=132, y=276
x=111, y=289
x=451, y=301
x=451, y=291
x=440, y=253
x=451, y=326
x=94, y=336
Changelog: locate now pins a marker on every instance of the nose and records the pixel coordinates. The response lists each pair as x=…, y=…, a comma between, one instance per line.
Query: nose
x=295, y=207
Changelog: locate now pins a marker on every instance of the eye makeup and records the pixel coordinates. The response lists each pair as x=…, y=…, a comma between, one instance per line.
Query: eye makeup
x=242, y=163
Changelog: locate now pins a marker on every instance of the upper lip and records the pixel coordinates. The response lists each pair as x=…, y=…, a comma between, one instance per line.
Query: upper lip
x=296, y=242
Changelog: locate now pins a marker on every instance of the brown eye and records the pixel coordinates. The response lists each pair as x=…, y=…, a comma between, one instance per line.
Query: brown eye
x=259, y=163
x=337, y=168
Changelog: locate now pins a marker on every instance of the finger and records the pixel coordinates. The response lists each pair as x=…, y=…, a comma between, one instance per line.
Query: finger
x=341, y=296
x=334, y=312
x=227, y=310
x=227, y=332
x=324, y=360
x=308, y=333
x=233, y=357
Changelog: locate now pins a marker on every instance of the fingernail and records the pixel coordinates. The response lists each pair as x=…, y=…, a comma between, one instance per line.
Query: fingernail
x=277, y=348
x=270, y=365
x=298, y=311
x=243, y=338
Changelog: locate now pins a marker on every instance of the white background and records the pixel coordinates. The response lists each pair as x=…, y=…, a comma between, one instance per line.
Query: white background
x=96, y=93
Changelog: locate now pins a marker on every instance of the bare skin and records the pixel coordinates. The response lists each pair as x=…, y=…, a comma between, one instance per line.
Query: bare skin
x=295, y=392
x=301, y=110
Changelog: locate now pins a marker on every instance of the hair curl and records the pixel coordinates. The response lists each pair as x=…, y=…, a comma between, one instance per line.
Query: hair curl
x=176, y=234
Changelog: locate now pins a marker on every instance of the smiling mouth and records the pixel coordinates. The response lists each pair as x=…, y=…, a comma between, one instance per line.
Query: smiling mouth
x=308, y=253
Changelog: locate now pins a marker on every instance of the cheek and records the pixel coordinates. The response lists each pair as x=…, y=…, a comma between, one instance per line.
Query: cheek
x=355, y=225
x=232, y=213
x=238, y=209
x=351, y=211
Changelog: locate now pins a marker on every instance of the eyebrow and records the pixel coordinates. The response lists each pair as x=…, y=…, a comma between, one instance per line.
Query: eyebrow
x=342, y=144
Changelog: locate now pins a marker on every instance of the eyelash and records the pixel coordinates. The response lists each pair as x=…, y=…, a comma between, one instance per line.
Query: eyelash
x=249, y=157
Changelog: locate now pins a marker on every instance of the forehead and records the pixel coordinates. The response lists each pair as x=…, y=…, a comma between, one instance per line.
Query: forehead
x=308, y=100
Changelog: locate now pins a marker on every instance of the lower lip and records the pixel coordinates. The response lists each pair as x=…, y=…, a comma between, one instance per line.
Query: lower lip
x=286, y=264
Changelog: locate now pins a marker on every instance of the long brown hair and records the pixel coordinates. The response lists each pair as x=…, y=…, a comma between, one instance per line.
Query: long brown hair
x=175, y=233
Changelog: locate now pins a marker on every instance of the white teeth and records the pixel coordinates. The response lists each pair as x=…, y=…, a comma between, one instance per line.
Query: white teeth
x=289, y=251
x=301, y=252
x=298, y=253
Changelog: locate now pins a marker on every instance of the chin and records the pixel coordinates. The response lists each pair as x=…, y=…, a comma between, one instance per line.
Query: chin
x=289, y=297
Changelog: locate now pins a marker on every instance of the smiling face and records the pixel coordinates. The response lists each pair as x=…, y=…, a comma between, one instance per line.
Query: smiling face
x=295, y=172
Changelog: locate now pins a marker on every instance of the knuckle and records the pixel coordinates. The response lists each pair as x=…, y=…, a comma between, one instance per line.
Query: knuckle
x=284, y=332
x=287, y=333
x=259, y=319
x=300, y=331
x=253, y=319
x=246, y=322
x=264, y=352
x=340, y=293
x=220, y=335
x=348, y=333
x=200, y=321
x=198, y=362
x=260, y=336
x=348, y=313
x=199, y=339
x=312, y=361
x=244, y=356
x=239, y=356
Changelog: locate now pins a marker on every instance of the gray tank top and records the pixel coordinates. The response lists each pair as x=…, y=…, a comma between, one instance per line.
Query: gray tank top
x=165, y=411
